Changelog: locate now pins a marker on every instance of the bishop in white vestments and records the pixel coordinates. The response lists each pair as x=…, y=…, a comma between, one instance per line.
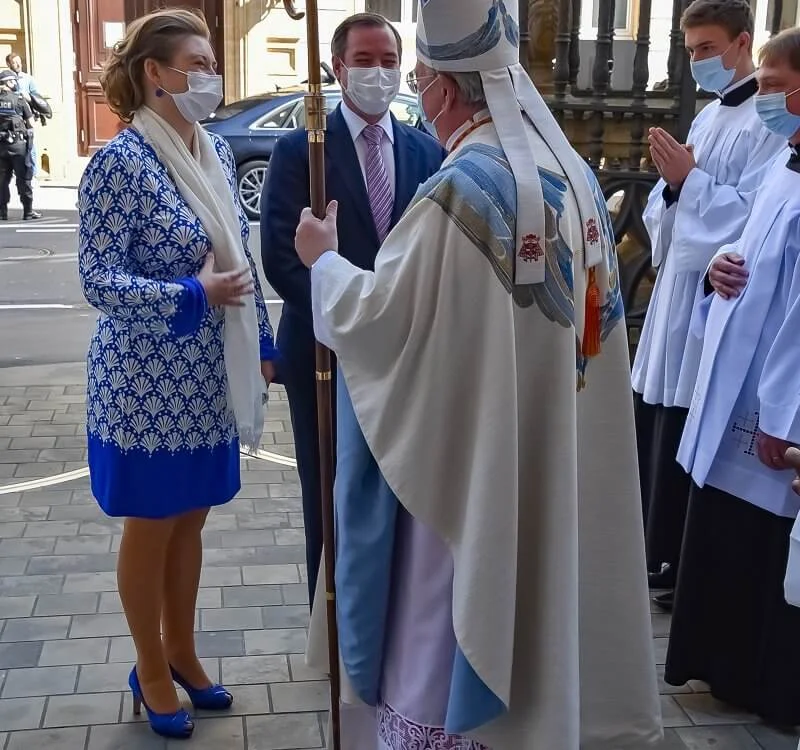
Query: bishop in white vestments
x=491, y=583
x=731, y=626
x=701, y=203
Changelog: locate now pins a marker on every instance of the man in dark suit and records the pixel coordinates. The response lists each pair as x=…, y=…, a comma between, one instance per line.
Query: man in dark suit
x=373, y=167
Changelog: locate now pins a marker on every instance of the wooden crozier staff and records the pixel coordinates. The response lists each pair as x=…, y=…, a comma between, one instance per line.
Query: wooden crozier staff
x=315, y=127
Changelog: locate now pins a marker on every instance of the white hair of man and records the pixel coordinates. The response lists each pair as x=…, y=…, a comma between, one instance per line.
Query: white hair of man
x=470, y=86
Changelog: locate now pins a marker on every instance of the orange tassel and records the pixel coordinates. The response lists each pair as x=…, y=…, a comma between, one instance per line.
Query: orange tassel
x=591, y=324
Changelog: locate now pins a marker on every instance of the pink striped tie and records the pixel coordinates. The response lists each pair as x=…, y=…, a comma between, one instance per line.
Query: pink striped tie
x=381, y=200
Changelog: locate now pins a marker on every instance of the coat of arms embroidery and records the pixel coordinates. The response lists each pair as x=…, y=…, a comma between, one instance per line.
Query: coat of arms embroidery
x=531, y=250
x=592, y=232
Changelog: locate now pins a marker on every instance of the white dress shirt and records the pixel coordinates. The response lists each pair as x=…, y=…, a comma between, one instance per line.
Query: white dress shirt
x=356, y=125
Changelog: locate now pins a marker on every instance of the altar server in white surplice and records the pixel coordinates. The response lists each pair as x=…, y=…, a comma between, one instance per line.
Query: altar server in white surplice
x=491, y=582
x=731, y=626
x=701, y=203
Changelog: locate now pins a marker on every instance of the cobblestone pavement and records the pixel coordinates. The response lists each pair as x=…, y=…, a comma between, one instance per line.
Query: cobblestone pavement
x=64, y=651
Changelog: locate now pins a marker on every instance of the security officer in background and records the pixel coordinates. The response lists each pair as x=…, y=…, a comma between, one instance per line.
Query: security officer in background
x=15, y=140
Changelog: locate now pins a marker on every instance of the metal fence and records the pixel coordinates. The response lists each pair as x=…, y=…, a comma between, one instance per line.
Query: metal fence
x=609, y=125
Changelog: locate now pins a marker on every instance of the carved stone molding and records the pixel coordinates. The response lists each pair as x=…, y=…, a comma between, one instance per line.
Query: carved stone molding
x=543, y=27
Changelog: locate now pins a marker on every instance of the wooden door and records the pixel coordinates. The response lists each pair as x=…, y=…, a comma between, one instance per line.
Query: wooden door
x=211, y=9
x=97, y=26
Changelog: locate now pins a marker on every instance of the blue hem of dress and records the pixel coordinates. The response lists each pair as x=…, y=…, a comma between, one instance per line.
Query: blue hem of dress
x=162, y=484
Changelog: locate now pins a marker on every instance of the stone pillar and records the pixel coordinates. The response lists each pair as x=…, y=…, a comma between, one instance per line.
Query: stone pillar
x=543, y=27
x=50, y=61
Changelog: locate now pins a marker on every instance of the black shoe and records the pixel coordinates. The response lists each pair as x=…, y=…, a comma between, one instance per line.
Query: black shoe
x=663, y=579
x=31, y=215
x=664, y=601
x=3, y=214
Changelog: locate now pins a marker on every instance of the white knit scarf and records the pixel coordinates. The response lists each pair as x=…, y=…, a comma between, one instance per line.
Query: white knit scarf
x=201, y=180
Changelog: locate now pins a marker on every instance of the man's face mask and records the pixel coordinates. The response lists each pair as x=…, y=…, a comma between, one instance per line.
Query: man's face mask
x=372, y=90
x=775, y=114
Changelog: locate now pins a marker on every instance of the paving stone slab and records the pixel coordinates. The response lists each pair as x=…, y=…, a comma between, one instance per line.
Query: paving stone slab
x=271, y=574
x=75, y=651
x=21, y=713
x=283, y=732
x=672, y=714
x=73, y=564
x=26, y=547
x=22, y=514
x=43, y=739
x=252, y=596
x=137, y=736
x=13, y=566
x=295, y=594
x=84, y=545
x=254, y=670
x=266, y=642
x=75, y=583
x=238, y=539
x=16, y=655
x=703, y=709
x=221, y=577
x=101, y=678
x=774, y=739
x=11, y=530
x=30, y=584
x=40, y=681
x=717, y=738
x=255, y=521
x=218, y=733
x=35, y=629
x=299, y=697
x=231, y=618
x=94, y=626
x=122, y=649
x=300, y=671
x=223, y=643
x=287, y=616
x=65, y=604
x=83, y=710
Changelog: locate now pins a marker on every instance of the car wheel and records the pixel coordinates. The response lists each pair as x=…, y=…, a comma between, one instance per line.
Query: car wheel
x=250, y=181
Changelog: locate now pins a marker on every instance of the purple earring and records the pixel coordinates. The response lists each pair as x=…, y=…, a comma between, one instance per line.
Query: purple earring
x=159, y=92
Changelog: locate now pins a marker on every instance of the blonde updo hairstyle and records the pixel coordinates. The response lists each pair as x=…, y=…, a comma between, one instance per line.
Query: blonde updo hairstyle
x=153, y=36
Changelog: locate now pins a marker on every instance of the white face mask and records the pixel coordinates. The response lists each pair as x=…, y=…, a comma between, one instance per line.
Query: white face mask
x=372, y=90
x=201, y=99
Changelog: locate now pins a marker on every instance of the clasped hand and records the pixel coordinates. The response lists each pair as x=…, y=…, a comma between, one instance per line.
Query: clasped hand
x=314, y=237
x=673, y=160
x=728, y=275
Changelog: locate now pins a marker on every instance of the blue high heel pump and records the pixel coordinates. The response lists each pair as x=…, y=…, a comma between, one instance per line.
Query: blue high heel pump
x=178, y=726
x=213, y=698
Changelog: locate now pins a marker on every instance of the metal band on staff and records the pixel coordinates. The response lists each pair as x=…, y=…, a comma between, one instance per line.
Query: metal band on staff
x=315, y=127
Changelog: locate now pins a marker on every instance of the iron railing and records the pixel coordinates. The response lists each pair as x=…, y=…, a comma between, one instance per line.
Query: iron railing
x=609, y=125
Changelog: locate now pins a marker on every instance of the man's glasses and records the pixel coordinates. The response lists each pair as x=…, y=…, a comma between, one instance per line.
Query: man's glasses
x=413, y=82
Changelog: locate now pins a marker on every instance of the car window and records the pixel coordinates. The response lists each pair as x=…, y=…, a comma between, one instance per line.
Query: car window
x=405, y=111
x=236, y=108
x=280, y=117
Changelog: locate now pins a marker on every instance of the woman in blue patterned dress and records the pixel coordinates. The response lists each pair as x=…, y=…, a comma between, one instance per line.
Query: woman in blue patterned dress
x=182, y=353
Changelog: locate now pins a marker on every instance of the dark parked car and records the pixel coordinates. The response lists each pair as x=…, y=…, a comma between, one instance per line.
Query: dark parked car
x=253, y=125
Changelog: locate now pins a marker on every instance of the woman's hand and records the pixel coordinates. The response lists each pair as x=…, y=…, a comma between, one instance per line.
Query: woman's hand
x=224, y=289
x=268, y=371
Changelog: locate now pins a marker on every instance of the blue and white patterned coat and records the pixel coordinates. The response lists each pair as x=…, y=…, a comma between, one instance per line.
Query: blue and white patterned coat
x=162, y=436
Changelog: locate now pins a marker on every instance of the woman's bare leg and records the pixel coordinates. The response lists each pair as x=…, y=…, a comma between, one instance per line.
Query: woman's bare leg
x=181, y=581
x=140, y=573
